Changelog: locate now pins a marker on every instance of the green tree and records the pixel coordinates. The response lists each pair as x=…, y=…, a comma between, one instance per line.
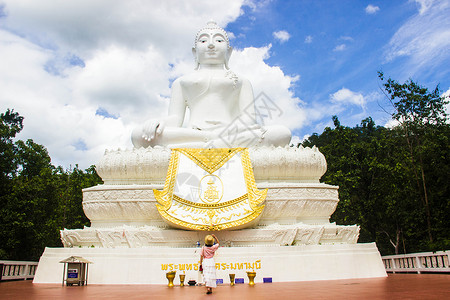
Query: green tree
x=417, y=111
x=37, y=199
x=11, y=123
x=74, y=181
x=354, y=164
x=377, y=189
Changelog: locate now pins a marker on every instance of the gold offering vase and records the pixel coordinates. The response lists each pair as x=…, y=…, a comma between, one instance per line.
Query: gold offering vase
x=251, y=278
x=170, y=276
x=182, y=277
x=232, y=276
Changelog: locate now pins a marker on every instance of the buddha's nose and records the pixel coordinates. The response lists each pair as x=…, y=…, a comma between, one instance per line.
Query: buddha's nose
x=211, y=45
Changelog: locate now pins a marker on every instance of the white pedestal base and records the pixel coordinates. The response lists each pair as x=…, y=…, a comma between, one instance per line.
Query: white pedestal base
x=281, y=263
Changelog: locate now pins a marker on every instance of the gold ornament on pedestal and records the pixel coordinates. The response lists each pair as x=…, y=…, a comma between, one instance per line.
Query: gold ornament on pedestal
x=251, y=278
x=170, y=276
x=232, y=276
x=182, y=277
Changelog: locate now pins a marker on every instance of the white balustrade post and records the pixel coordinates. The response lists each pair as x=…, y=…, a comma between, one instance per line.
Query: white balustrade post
x=448, y=259
x=25, y=271
x=394, y=266
x=418, y=264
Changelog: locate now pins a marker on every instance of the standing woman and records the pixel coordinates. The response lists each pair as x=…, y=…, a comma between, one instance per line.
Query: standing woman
x=207, y=262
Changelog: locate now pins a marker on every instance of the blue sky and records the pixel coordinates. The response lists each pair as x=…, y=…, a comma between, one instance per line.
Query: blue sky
x=85, y=73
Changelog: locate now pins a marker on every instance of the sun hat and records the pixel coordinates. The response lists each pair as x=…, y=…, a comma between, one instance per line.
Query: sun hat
x=209, y=240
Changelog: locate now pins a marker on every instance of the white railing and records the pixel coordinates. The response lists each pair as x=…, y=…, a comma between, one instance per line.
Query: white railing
x=418, y=262
x=13, y=270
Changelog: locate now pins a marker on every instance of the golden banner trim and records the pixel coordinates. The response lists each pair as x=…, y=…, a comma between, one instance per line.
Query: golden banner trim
x=209, y=160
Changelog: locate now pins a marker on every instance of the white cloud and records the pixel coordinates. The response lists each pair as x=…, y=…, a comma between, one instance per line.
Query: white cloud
x=231, y=35
x=346, y=38
x=424, y=5
x=340, y=47
x=271, y=81
x=346, y=96
x=53, y=113
x=257, y=4
x=282, y=36
x=424, y=38
x=125, y=82
x=446, y=94
x=295, y=140
x=391, y=123
x=298, y=140
x=308, y=39
x=372, y=9
x=85, y=25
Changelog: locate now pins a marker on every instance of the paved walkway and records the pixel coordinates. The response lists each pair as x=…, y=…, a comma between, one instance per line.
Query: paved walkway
x=396, y=286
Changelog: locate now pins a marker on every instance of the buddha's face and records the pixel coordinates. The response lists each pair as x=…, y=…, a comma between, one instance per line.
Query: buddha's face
x=211, y=48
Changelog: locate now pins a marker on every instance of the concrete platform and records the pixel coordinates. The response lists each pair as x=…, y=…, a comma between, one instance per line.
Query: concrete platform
x=395, y=286
x=280, y=263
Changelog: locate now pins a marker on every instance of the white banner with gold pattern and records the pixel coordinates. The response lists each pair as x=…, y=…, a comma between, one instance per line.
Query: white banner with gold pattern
x=210, y=189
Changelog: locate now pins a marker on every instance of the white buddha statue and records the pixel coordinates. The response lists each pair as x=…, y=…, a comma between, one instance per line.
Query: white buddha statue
x=221, y=104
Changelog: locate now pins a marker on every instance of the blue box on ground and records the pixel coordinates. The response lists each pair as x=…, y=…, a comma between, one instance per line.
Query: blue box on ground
x=239, y=280
x=267, y=279
x=219, y=281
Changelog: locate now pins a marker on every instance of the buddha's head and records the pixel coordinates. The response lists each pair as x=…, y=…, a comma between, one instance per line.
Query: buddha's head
x=212, y=46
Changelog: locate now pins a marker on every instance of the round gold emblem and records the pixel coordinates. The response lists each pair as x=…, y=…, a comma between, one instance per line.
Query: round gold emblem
x=211, y=189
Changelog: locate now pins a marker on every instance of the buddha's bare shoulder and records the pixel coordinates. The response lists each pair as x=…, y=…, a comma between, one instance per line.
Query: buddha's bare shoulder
x=187, y=79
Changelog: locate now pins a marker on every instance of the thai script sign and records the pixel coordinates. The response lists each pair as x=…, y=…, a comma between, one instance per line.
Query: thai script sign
x=219, y=266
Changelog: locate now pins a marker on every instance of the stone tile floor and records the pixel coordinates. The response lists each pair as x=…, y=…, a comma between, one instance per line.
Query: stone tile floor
x=395, y=286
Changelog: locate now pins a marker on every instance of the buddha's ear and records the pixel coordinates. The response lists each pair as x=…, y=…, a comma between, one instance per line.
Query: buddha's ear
x=194, y=52
x=227, y=58
x=229, y=51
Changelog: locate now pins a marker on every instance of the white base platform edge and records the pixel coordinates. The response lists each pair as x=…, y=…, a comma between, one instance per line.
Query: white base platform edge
x=281, y=263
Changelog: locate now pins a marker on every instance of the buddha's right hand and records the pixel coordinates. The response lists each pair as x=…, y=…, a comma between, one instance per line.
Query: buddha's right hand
x=152, y=128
